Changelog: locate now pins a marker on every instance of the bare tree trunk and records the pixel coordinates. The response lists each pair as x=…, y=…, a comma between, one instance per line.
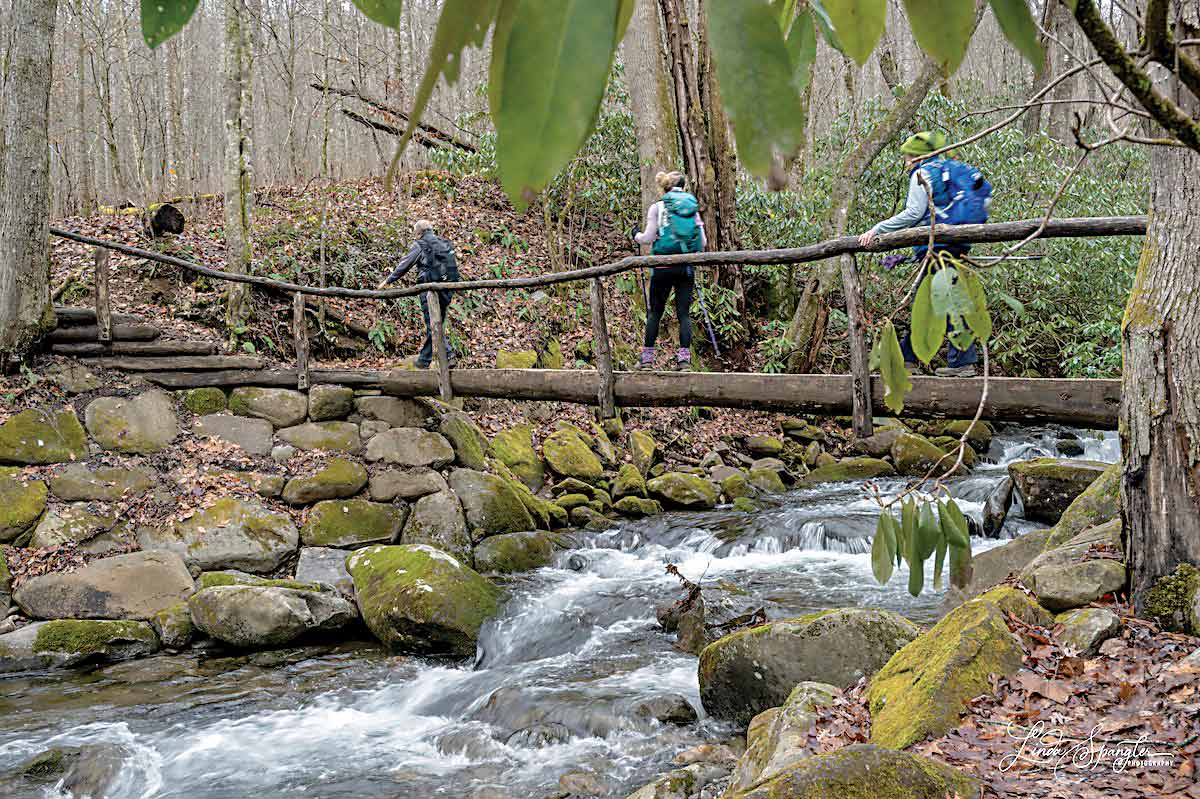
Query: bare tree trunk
x=25, y=310
x=1031, y=123
x=650, y=97
x=723, y=234
x=238, y=172
x=686, y=94
x=87, y=175
x=176, y=147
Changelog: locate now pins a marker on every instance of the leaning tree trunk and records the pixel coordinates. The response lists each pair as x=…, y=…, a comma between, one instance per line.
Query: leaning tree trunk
x=1160, y=395
x=25, y=310
x=238, y=175
x=650, y=97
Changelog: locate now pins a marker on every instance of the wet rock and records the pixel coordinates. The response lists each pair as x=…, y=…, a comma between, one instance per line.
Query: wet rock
x=142, y=424
x=866, y=770
x=994, y=566
x=325, y=566
x=678, y=784
x=802, y=431
x=438, y=520
x=514, y=448
x=925, y=687
x=22, y=503
x=667, y=709
x=233, y=533
x=915, y=456
x=569, y=456
x=979, y=434
x=848, y=469
x=351, y=523
x=767, y=480
x=515, y=552
x=205, y=400
x=569, y=502
x=468, y=440
x=252, y=435
x=255, y=617
x=763, y=446
x=78, y=483
x=235, y=577
x=692, y=635
x=1069, y=447
x=173, y=625
x=69, y=642
x=539, y=735
x=328, y=403
x=492, y=506
x=5, y=587
x=680, y=490
x=749, y=671
x=132, y=586
x=326, y=436
x=1048, y=486
x=1099, y=503
x=777, y=738
x=36, y=436
x=643, y=449
x=589, y=518
x=629, y=482
x=880, y=443
x=339, y=479
x=1085, y=629
x=396, y=411
x=77, y=772
x=281, y=407
x=516, y=359
x=411, y=447
x=419, y=599
x=637, y=507
x=746, y=505
x=582, y=783
x=407, y=485
x=737, y=486
x=995, y=509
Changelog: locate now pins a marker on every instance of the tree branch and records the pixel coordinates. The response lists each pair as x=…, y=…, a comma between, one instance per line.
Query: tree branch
x=1163, y=49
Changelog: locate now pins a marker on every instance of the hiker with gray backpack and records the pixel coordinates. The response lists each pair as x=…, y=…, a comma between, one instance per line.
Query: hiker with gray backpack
x=437, y=262
x=673, y=227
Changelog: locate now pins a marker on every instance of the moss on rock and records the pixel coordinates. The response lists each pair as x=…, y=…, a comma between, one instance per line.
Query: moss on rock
x=142, y=424
x=767, y=480
x=1099, y=503
x=339, y=479
x=205, y=400
x=22, y=503
x=849, y=469
x=643, y=449
x=215, y=579
x=350, y=523
x=37, y=436
x=491, y=504
x=569, y=455
x=88, y=637
x=516, y=359
x=1048, y=486
x=281, y=407
x=681, y=490
x=514, y=448
x=511, y=553
x=469, y=442
x=637, y=507
x=629, y=482
x=1173, y=600
x=174, y=626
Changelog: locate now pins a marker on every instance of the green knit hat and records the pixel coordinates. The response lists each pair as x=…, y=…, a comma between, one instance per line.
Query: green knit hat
x=923, y=143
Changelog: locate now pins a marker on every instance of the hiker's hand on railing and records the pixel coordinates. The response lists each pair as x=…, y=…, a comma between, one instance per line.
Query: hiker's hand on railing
x=868, y=238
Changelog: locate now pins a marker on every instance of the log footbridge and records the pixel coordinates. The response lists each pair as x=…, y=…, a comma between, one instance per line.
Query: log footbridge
x=120, y=342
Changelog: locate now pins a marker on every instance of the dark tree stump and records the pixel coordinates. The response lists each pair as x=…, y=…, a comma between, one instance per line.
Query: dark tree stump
x=167, y=219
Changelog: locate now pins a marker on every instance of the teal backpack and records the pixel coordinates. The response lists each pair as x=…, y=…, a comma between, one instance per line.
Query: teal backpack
x=679, y=232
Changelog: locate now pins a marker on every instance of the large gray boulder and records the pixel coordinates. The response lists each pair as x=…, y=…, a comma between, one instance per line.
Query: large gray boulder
x=1085, y=629
x=744, y=673
x=132, y=586
x=253, y=435
x=22, y=503
x=1080, y=571
x=70, y=642
x=352, y=523
x=492, y=505
x=326, y=566
x=37, y=436
x=408, y=485
x=396, y=411
x=411, y=446
x=281, y=407
x=231, y=534
x=778, y=737
x=993, y=566
x=339, y=479
x=326, y=436
x=511, y=553
x=327, y=403
x=438, y=520
x=143, y=424
x=1048, y=486
x=255, y=617
x=94, y=533
x=79, y=483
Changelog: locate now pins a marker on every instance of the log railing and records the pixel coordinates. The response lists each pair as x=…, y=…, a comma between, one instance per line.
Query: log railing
x=607, y=392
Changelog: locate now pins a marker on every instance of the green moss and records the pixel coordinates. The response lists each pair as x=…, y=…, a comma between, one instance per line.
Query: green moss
x=1099, y=503
x=21, y=504
x=519, y=359
x=351, y=522
x=637, y=507
x=214, y=579
x=5, y=574
x=468, y=441
x=205, y=400
x=339, y=478
x=767, y=480
x=684, y=490
x=87, y=637
x=552, y=355
x=629, y=482
x=174, y=625
x=746, y=505
x=514, y=448
x=736, y=487
x=849, y=469
x=643, y=449
x=1170, y=601
x=1007, y=598
x=568, y=455
x=37, y=436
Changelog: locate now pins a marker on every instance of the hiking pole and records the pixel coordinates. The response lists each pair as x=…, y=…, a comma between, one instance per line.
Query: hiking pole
x=708, y=322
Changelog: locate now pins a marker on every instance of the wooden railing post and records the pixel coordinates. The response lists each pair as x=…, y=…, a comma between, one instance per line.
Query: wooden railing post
x=602, y=347
x=860, y=369
x=438, y=330
x=103, y=306
x=300, y=335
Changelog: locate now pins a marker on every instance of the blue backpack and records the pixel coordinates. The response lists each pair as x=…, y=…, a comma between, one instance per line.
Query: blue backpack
x=679, y=232
x=961, y=194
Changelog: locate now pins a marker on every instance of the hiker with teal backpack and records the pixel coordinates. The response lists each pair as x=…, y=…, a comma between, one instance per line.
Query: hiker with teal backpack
x=673, y=227
x=961, y=196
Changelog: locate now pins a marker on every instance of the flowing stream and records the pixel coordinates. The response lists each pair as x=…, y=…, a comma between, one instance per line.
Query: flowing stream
x=556, y=685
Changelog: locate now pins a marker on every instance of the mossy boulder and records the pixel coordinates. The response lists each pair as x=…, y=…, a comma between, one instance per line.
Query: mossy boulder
x=516, y=359
x=510, y=553
x=235, y=577
x=637, y=507
x=859, y=468
x=864, y=771
x=173, y=626
x=1076, y=574
x=76, y=524
x=339, y=479
x=916, y=456
x=438, y=520
x=1174, y=600
x=78, y=483
x=22, y=503
x=925, y=687
x=767, y=480
x=5, y=584
x=328, y=403
x=1085, y=629
x=746, y=505
x=749, y=671
x=737, y=486
x=132, y=586
x=979, y=434
x=764, y=446
x=142, y=425
x=1048, y=486
x=468, y=440
x=230, y=534
x=1100, y=502
x=419, y=599
x=569, y=502
x=514, y=448
x=679, y=490
x=205, y=400
x=643, y=450
x=351, y=523
x=492, y=505
x=589, y=518
x=551, y=356
x=36, y=436
x=255, y=616
x=777, y=738
x=629, y=482
x=64, y=643
x=411, y=447
x=282, y=407
x=325, y=436
x=569, y=456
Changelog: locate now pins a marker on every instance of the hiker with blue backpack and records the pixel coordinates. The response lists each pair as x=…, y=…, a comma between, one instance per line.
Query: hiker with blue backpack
x=961, y=196
x=436, y=262
x=673, y=227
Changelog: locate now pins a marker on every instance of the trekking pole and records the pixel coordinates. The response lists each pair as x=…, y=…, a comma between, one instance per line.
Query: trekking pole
x=708, y=322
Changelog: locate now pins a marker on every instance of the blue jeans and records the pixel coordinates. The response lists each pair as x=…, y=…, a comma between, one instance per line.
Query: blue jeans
x=425, y=356
x=956, y=358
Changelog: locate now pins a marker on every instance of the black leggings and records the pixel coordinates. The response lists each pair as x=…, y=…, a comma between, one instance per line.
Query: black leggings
x=662, y=280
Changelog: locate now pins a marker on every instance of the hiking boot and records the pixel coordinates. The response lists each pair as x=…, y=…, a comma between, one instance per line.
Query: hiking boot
x=683, y=360
x=956, y=371
x=645, y=360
